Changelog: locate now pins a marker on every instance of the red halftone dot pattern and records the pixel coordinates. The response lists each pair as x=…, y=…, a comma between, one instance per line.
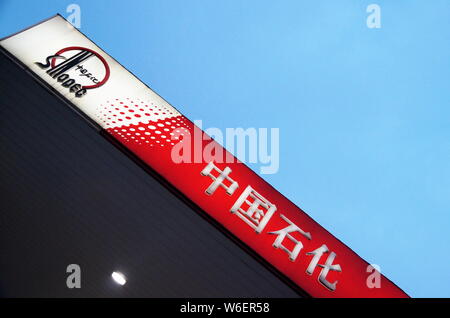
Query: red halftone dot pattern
x=162, y=133
x=132, y=111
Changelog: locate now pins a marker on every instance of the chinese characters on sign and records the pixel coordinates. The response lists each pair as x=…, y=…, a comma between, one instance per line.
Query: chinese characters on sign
x=256, y=211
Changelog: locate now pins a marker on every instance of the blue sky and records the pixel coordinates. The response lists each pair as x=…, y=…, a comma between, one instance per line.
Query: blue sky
x=363, y=113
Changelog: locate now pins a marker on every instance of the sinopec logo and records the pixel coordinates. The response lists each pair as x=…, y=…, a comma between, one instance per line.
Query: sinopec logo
x=77, y=68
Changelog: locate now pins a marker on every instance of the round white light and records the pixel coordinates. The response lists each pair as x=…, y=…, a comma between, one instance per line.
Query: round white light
x=119, y=278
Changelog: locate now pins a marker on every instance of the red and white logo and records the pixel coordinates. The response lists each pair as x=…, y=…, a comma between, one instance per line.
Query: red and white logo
x=77, y=68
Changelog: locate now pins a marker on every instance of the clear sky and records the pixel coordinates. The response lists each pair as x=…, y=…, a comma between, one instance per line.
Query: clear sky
x=363, y=113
